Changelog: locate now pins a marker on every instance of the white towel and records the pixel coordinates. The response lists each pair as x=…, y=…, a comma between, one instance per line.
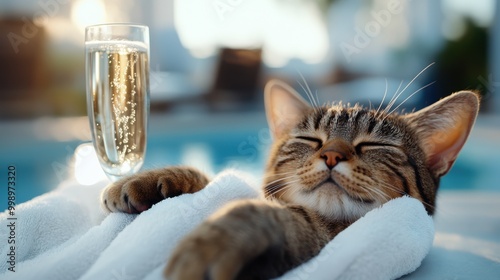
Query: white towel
x=387, y=243
x=61, y=235
x=50, y=220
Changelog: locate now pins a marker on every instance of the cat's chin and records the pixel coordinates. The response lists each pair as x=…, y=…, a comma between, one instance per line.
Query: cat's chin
x=334, y=202
x=332, y=185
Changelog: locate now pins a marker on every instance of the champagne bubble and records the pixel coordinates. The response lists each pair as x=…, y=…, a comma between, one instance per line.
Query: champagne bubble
x=123, y=70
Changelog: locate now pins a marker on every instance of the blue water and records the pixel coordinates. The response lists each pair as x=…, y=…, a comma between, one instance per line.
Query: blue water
x=41, y=164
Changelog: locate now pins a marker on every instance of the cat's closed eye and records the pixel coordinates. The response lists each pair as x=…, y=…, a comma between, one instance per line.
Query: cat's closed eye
x=316, y=141
x=363, y=147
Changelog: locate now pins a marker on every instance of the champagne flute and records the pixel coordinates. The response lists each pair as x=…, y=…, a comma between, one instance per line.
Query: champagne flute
x=117, y=80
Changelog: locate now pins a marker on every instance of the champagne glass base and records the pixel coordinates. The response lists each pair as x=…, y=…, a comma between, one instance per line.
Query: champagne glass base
x=114, y=178
x=122, y=170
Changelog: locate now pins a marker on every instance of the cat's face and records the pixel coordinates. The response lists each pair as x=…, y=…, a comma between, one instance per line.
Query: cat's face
x=344, y=161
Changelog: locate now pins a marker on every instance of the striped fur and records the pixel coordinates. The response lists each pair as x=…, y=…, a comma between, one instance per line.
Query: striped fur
x=328, y=167
x=381, y=143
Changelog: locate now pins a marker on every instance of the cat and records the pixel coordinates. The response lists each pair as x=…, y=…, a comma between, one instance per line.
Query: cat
x=328, y=166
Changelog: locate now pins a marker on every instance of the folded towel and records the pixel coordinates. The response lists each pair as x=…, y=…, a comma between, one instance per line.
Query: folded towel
x=62, y=235
x=51, y=219
x=387, y=243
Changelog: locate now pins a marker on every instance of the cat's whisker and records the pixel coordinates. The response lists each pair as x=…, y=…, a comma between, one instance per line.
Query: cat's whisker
x=316, y=102
x=372, y=191
x=281, y=187
x=308, y=92
x=411, y=95
x=383, y=98
x=380, y=194
x=285, y=190
x=276, y=188
x=317, y=98
x=279, y=183
x=281, y=179
x=392, y=188
x=411, y=82
x=392, y=101
x=285, y=181
x=375, y=195
x=273, y=179
x=276, y=182
x=359, y=196
x=289, y=190
x=281, y=174
x=308, y=96
x=382, y=184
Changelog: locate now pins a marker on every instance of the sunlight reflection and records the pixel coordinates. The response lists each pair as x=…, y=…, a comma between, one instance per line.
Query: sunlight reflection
x=88, y=12
x=198, y=155
x=87, y=169
x=284, y=30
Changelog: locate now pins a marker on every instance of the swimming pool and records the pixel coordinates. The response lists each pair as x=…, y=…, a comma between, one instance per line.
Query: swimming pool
x=42, y=150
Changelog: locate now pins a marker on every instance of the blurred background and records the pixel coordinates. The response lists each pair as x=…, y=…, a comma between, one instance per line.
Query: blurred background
x=210, y=60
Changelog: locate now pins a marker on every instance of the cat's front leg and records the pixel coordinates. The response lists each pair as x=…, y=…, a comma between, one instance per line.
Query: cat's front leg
x=247, y=240
x=137, y=193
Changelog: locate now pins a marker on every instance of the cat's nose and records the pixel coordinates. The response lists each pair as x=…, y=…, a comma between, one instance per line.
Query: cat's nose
x=332, y=158
x=335, y=151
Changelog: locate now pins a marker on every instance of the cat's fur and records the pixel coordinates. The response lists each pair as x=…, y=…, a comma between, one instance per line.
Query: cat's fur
x=328, y=167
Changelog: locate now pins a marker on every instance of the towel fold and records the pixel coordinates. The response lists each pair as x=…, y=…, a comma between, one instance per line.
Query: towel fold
x=51, y=219
x=387, y=243
x=62, y=235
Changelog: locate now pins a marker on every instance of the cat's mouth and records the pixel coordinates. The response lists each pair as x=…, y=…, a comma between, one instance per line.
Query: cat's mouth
x=331, y=181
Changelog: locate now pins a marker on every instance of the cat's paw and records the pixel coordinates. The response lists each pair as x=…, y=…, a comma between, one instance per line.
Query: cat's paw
x=208, y=253
x=137, y=193
x=225, y=244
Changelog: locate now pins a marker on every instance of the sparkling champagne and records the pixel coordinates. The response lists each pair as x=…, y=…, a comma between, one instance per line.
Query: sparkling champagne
x=118, y=101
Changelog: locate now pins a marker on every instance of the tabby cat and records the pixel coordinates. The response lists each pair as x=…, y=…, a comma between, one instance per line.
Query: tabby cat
x=328, y=167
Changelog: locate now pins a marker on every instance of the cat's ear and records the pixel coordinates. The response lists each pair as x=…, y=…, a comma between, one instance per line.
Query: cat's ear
x=284, y=107
x=443, y=128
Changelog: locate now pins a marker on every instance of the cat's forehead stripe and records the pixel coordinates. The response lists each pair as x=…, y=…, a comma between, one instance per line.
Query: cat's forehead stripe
x=320, y=114
x=344, y=121
x=351, y=123
x=327, y=120
x=355, y=116
x=371, y=124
